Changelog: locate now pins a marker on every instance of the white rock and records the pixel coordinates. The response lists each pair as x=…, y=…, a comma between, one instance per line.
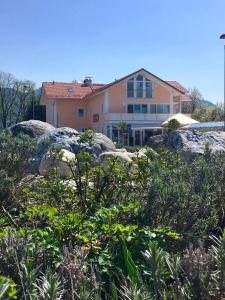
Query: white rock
x=137, y=154
x=63, y=164
x=122, y=157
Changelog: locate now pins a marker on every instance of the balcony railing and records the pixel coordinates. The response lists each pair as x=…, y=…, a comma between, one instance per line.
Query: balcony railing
x=116, y=117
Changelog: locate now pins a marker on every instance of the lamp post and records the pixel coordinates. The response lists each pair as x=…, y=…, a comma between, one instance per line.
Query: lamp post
x=222, y=37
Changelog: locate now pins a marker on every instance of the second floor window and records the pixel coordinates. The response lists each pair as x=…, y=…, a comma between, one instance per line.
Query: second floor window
x=137, y=108
x=139, y=87
x=159, y=108
x=152, y=109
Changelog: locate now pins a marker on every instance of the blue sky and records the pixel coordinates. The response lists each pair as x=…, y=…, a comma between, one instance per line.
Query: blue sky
x=45, y=40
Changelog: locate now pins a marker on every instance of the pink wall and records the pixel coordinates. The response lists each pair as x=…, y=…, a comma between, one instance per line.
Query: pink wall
x=67, y=110
x=94, y=107
x=117, y=98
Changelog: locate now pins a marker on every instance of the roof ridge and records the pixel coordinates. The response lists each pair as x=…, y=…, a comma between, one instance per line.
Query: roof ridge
x=96, y=83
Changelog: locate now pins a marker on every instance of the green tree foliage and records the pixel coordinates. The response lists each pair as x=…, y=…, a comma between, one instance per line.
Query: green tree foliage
x=122, y=130
x=206, y=114
x=173, y=124
x=196, y=98
x=15, y=98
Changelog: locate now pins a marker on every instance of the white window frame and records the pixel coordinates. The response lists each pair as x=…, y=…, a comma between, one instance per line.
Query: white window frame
x=135, y=87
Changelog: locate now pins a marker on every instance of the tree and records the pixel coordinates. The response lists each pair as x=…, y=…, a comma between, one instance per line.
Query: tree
x=15, y=98
x=196, y=97
x=25, y=98
x=123, y=128
x=205, y=113
x=173, y=124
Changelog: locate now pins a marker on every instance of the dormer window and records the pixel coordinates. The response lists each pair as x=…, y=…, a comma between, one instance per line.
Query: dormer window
x=139, y=87
x=71, y=90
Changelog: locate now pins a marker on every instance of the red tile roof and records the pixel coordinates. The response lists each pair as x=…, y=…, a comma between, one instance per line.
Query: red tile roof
x=80, y=91
x=177, y=85
x=69, y=90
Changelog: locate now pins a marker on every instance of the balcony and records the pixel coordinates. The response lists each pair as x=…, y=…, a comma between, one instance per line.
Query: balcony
x=138, y=117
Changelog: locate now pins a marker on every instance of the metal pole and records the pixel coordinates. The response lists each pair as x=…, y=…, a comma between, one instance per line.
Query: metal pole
x=224, y=92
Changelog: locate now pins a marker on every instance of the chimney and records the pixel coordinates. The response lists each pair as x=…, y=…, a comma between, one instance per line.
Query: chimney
x=88, y=81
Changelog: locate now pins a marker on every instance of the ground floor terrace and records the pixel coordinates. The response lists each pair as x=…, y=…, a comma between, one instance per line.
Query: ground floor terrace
x=129, y=135
x=133, y=135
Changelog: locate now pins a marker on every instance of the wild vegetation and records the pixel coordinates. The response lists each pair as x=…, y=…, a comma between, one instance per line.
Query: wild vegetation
x=152, y=229
x=19, y=100
x=203, y=112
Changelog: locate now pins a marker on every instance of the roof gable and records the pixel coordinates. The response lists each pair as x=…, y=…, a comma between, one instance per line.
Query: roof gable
x=172, y=84
x=60, y=90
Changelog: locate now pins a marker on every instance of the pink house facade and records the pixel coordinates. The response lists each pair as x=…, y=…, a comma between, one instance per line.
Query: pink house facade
x=141, y=99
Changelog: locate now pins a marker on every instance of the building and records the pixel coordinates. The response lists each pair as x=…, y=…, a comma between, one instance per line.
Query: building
x=141, y=99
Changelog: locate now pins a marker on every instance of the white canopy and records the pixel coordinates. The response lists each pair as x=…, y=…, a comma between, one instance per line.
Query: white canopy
x=181, y=118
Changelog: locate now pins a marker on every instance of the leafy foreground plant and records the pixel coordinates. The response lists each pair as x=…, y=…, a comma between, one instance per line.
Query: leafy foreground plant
x=113, y=231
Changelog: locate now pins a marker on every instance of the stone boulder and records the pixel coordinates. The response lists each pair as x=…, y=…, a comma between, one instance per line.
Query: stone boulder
x=137, y=154
x=157, y=142
x=122, y=157
x=192, y=142
x=60, y=138
x=104, y=142
x=70, y=139
x=33, y=128
x=62, y=163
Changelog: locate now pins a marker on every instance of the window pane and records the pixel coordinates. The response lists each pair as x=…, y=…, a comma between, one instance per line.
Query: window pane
x=139, y=91
x=130, y=85
x=130, y=94
x=148, y=89
x=130, y=108
x=144, y=108
x=159, y=108
x=80, y=112
x=139, y=78
x=130, y=89
x=153, y=108
x=166, y=109
x=137, y=108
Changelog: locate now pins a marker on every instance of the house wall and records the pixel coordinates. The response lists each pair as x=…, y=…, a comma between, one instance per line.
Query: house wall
x=67, y=113
x=95, y=107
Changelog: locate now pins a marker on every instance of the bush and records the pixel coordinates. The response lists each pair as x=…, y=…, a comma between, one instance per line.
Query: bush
x=173, y=124
x=14, y=164
x=128, y=231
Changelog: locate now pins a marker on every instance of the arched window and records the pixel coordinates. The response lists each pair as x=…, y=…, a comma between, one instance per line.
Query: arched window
x=139, y=87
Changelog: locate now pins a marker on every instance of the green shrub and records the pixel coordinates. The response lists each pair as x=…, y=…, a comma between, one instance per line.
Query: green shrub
x=173, y=124
x=115, y=232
